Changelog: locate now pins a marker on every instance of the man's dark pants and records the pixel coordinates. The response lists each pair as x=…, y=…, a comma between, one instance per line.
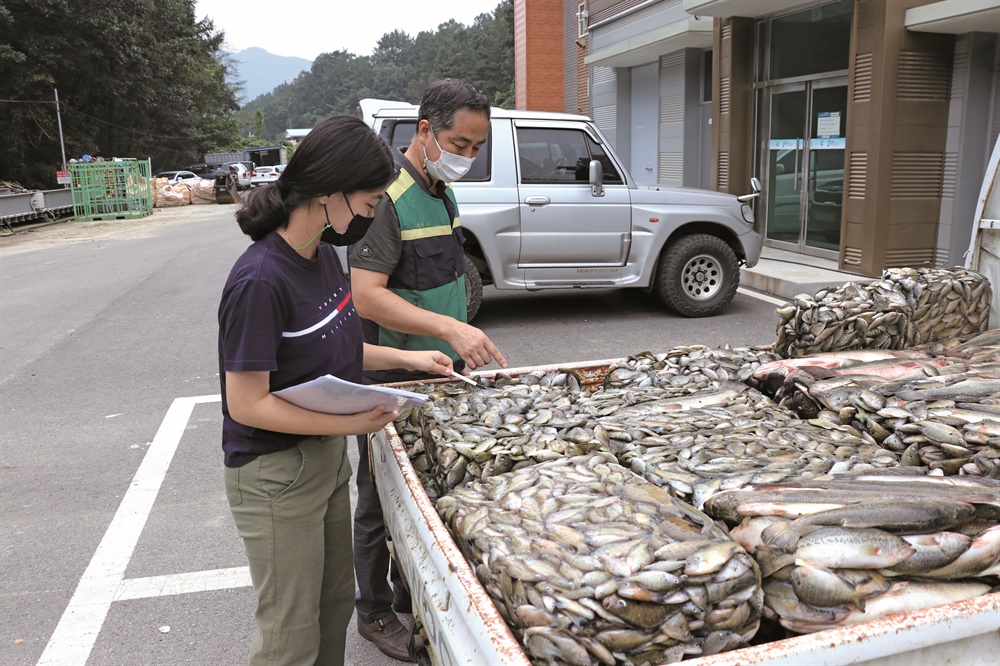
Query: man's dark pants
x=371, y=554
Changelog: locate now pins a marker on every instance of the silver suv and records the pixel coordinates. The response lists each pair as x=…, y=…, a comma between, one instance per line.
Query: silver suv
x=548, y=205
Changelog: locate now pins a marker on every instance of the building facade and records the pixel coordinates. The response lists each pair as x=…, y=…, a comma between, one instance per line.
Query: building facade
x=869, y=122
x=538, y=61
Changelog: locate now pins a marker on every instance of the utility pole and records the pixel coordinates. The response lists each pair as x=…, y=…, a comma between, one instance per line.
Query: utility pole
x=59, y=120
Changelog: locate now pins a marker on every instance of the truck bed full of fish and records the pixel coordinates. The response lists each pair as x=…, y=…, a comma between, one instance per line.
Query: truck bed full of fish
x=699, y=500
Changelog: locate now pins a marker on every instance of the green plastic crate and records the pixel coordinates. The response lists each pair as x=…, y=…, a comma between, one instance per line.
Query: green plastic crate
x=111, y=190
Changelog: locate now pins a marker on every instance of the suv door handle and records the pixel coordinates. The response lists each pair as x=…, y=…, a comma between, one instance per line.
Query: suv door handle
x=537, y=201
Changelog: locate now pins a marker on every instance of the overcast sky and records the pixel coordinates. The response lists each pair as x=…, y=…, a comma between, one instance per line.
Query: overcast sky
x=306, y=28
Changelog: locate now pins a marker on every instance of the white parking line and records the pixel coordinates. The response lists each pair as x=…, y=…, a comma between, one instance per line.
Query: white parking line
x=763, y=297
x=186, y=583
x=83, y=618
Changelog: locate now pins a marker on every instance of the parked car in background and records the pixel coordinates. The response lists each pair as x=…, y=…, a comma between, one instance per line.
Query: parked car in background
x=280, y=167
x=241, y=175
x=264, y=175
x=207, y=170
x=175, y=177
x=210, y=170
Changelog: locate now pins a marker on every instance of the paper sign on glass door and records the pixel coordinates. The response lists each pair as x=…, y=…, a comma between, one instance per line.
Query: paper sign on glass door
x=828, y=124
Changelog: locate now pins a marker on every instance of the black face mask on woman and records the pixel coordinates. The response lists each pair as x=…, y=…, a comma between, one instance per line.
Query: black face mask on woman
x=356, y=230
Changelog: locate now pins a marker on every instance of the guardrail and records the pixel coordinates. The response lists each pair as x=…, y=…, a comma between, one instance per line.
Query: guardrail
x=40, y=204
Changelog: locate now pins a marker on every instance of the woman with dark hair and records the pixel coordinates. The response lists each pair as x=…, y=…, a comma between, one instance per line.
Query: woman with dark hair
x=287, y=317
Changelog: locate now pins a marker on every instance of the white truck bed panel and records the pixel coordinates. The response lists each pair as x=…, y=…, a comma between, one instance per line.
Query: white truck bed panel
x=464, y=627
x=461, y=622
x=965, y=633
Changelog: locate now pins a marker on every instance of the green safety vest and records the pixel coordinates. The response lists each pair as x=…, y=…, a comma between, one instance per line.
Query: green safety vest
x=431, y=269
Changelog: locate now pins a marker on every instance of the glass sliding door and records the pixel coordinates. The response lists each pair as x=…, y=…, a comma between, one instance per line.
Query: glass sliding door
x=825, y=176
x=786, y=145
x=801, y=66
x=804, y=148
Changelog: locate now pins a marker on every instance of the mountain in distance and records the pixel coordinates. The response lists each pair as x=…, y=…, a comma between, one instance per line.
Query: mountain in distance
x=261, y=72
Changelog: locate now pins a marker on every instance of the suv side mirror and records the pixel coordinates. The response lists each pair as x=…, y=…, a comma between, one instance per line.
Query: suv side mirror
x=596, y=178
x=755, y=187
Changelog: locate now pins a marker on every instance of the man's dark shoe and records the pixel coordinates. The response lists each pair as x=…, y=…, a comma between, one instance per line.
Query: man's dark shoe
x=388, y=634
x=401, y=602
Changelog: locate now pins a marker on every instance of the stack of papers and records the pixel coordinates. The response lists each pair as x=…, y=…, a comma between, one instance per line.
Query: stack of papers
x=332, y=395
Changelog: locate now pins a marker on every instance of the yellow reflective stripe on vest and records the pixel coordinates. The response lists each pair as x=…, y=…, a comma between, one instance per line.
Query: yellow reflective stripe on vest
x=403, y=182
x=400, y=185
x=428, y=232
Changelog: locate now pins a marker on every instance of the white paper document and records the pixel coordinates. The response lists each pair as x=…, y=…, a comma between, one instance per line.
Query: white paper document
x=331, y=395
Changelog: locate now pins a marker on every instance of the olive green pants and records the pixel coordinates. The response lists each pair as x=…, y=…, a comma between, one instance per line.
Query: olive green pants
x=293, y=511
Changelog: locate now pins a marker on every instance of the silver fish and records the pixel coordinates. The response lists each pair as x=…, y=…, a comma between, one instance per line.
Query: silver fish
x=852, y=548
x=901, y=597
x=933, y=551
x=824, y=587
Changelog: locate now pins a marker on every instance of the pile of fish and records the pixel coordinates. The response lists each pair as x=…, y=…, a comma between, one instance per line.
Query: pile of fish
x=845, y=549
x=693, y=368
x=512, y=422
x=937, y=409
x=906, y=307
x=590, y=564
x=698, y=445
x=943, y=303
x=546, y=480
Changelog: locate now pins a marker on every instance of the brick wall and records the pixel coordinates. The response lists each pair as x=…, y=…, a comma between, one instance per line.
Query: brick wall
x=538, y=54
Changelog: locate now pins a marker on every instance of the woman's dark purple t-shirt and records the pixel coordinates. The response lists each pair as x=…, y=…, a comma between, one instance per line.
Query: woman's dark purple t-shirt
x=292, y=317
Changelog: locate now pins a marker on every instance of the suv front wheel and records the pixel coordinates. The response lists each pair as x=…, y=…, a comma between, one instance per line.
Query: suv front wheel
x=697, y=276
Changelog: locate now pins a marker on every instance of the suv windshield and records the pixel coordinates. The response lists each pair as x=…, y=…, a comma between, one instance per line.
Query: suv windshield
x=400, y=133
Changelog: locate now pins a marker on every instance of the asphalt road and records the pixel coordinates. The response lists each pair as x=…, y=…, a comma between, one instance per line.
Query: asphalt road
x=116, y=542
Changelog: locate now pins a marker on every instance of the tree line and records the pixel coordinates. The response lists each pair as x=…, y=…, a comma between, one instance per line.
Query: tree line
x=135, y=79
x=399, y=68
x=146, y=78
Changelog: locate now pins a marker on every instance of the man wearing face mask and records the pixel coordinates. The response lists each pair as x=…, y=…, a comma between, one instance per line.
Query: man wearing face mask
x=407, y=277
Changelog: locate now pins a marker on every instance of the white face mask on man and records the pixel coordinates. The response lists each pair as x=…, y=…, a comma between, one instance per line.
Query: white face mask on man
x=449, y=167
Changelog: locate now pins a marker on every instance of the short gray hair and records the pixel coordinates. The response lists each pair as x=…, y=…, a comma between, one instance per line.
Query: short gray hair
x=443, y=98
